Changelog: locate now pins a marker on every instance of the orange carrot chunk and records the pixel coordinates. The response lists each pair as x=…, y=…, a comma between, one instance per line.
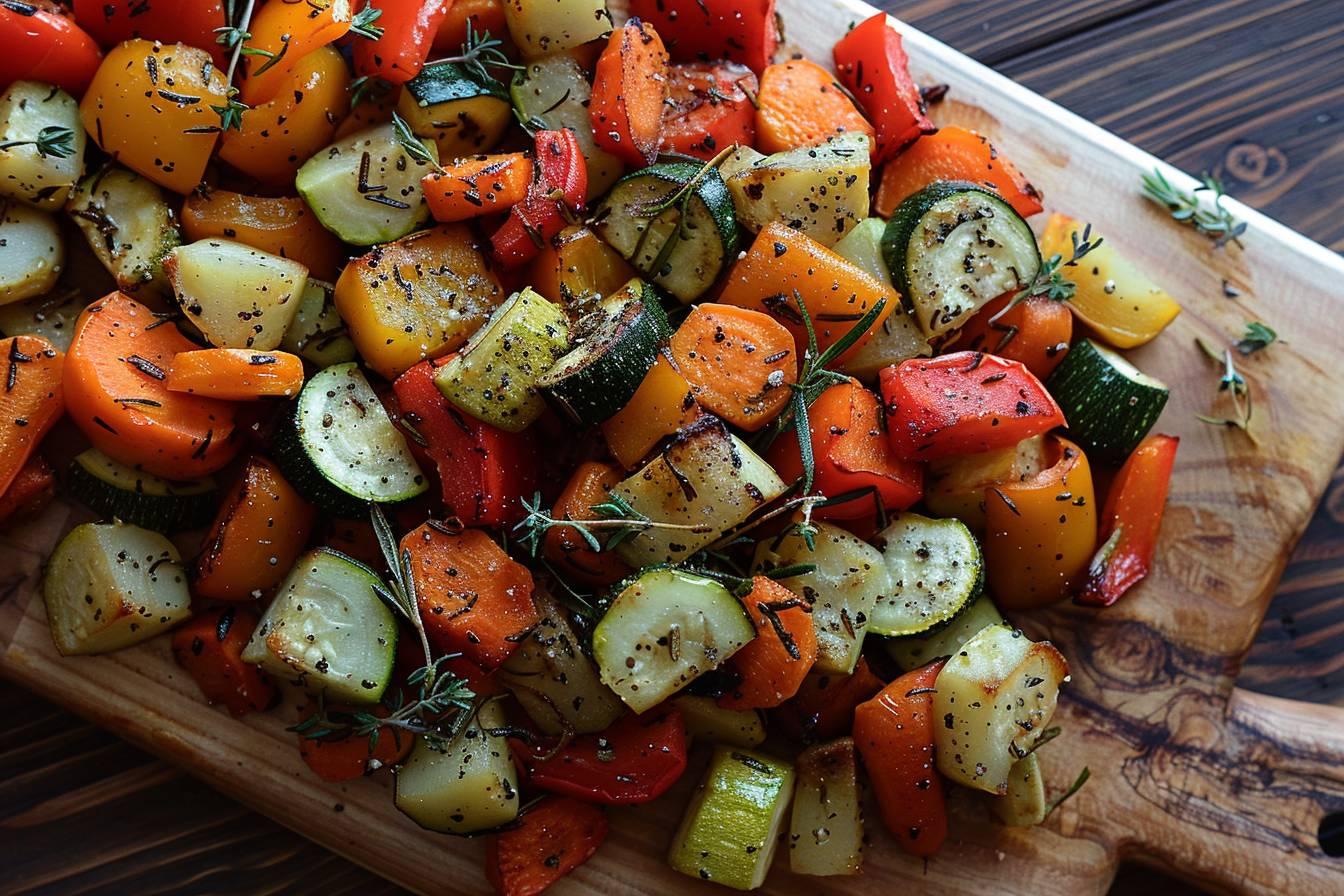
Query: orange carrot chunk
x=30, y=402
x=630, y=87
x=236, y=374
x=29, y=492
x=954, y=154
x=738, y=361
x=476, y=186
x=210, y=648
x=801, y=104
x=566, y=548
x=773, y=665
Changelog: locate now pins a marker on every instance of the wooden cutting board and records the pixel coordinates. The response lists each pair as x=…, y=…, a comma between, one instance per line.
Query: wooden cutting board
x=1217, y=784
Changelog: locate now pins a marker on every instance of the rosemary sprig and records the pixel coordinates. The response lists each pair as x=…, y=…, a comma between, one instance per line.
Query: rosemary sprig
x=680, y=199
x=1257, y=338
x=362, y=25
x=615, y=514
x=51, y=142
x=480, y=50
x=1217, y=222
x=412, y=145
x=1233, y=383
x=1074, y=788
x=741, y=586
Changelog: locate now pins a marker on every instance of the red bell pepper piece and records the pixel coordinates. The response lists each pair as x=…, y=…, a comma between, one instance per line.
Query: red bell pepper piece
x=210, y=648
x=634, y=761
x=963, y=403
x=1130, y=522
x=42, y=44
x=484, y=471
x=708, y=108
x=550, y=840
x=29, y=491
x=872, y=63
x=169, y=21
x=409, y=27
x=695, y=30
x=824, y=706
x=559, y=185
x=852, y=456
x=894, y=734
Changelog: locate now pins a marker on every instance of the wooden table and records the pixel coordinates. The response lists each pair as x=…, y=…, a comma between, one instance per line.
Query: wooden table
x=1250, y=89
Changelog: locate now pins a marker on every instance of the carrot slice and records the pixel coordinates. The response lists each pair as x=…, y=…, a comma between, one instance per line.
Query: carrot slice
x=347, y=758
x=116, y=393
x=29, y=491
x=281, y=225
x=954, y=154
x=661, y=405
x=476, y=186
x=1035, y=331
x=474, y=599
x=773, y=665
x=31, y=401
x=236, y=374
x=566, y=548
x=801, y=104
x=739, y=363
x=629, y=88
x=550, y=840
x=824, y=706
x=210, y=648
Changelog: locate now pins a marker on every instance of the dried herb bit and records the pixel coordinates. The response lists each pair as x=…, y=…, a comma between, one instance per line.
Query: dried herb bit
x=615, y=514
x=1234, y=384
x=51, y=142
x=933, y=94
x=1258, y=337
x=1217, y=222
x=412, y=145
x=362, y=25
x=1074, y=788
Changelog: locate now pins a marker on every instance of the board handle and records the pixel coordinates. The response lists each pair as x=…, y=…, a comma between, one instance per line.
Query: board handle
x=1245, y=815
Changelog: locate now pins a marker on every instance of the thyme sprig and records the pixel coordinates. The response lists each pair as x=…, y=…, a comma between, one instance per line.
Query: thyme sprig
x=51, y=142
x=1234, y=384
x=741, y=586
x=235, y=37
x=1187, y=208
x=480, y=50
x=1049, y=281
x=442, y=704
x=362, y=25
x=615, y=517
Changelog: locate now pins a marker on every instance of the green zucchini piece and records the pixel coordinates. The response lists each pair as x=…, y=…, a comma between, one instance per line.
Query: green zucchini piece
x=111, y=585
x=494, y=378
x=953, y=247
x=460, y=113
x=329, y=630
x=317, y=334
x=365, y=189
x=1110, y=405
x=120, y=492
x=664, y=630
x=341, y=450
x=730, y=829
x=899, y=338
x=469, y=788
x=642, y=218
x=936, y=571
x=920, y=650
x=616, y=344
x=44, y=181
x=129, y=225
x=32, y=253
x=707, y=720
x=555, y=91
x=1024, y=805
x=826, y=829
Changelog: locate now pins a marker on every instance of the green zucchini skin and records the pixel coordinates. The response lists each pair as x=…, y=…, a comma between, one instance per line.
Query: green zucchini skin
x=1110, y=405
x=445, y=82
x=953, y=247
x=937, y=571
x=617, y=344
x=117, y=491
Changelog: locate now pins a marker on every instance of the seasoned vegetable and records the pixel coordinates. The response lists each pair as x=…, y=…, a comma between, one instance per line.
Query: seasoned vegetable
x=914, y=651
x=239, y=297
x=826, y=829
x=800, y=104
x=32, y=400
x=708, y=109
x=129, y=225
x=554, y=198
x=664, y=630
x=496, y=375
x=44, y=44
x=873, y=66
x=633, y=761
x=551, y=839
x=455, y=109
x=730, y=829
x=821, y=191
x=1110, y=404
x=236, y=374
x=408, y=30
x=954, y=154
x=740, y=363
x=317, y=334
x=111, y=585
x=565, y=547
x=210, y=648
x=42, y=179
x=741, y=30
x=957, y=484
x=282, y=36
x=117, y=491
x=1024, y=804
x=995, y=697
x=555, y=91
x=540, y=29
x=661, y=405
x=577, y=268
x=328, y=630
x=708, y=721
x=704, y=482
x=824, y=706
x=936, y=571
x=280, y=225
x=31, y=252
x=772, y=666
x=469, y=788
x=630, y=90
x=477, y=185
x=1036, y=331
x=899, y=336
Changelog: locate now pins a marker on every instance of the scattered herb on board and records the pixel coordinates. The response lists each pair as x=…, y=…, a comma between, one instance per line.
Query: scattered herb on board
x=1187, y=208
x=1074, y=788
x=1257, y=338
x=1234, y=384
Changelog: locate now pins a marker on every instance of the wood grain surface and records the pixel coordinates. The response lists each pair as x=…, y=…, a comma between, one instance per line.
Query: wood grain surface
x=1251, y=89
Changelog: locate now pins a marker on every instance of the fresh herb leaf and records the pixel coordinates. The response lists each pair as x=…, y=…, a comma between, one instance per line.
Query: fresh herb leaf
x=614, y=514
x=1186, y=208
x=480, y=50
x=1258, y=337
x=362, y=25
x=1049, y=281
x=1234, y=384
x=412, y=145
x=1074, y=788
x=52, y=142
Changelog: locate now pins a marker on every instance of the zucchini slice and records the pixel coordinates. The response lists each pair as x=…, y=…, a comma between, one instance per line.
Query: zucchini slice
x=936, y=572
x=642, y=219
x=463, y=114
x=919, y=650
x=328, y=629
x=707, y=720
x=705, y=479
x=899, y=338
x=952, y=247
x=129, y=225
x=341, y=450
x=729, y=832
x=133, y=496
x=1109, y=403
x=494, y=378
x=42, y=181
x=111, y=585
x=317, y=334
x=664, y=630
x=237, y=296
x=365, y=189
x=32, y=252
x=469, y=788
x=1024, y=805
x=555, y=91
x=617, y=343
